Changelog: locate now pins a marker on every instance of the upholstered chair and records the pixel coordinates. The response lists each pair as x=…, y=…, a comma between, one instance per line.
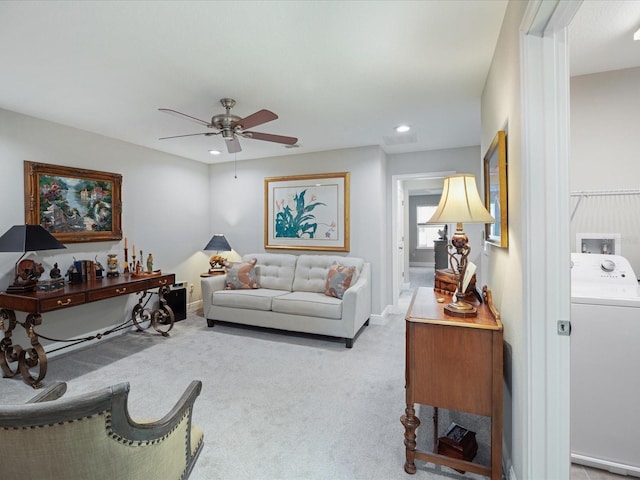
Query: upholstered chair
x=92, y=436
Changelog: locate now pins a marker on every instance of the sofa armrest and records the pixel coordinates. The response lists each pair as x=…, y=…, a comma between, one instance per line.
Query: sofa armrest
x=356, y=302
x=209, y=286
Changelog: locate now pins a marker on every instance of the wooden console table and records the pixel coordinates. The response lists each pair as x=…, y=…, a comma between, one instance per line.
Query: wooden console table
x=453, y=363
x=34, y=304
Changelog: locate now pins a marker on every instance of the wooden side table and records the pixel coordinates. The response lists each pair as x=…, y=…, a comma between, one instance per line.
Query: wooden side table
x=453, y=363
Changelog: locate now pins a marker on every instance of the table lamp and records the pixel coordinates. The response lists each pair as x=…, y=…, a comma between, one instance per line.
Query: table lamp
x=218, y=244
x=27, y=238
x=460, y=203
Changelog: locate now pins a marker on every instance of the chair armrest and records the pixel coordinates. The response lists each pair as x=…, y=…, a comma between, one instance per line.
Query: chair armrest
x=53, y=392
x=126, y=427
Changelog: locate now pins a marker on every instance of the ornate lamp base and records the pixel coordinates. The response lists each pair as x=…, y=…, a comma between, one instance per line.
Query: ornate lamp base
x=461, y=309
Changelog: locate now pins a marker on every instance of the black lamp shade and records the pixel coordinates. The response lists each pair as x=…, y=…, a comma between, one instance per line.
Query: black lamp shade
x=28, y=238
x=218, y=243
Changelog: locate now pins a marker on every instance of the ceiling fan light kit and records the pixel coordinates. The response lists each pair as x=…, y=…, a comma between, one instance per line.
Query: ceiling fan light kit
x=232, y=126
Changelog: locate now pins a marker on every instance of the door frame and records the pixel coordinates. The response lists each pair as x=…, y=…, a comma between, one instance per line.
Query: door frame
x=399, y=216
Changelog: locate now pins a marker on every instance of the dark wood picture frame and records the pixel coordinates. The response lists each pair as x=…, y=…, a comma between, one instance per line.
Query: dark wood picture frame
x=101, y=196
x=495, y=190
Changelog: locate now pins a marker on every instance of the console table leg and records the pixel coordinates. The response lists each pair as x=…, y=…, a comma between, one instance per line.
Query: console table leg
x=8, y=352
x=163, y=315
x=161, y=319
x=34, y=356
x=411, y=423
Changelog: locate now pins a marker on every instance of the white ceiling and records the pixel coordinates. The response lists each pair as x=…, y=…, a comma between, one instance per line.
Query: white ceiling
x=338, y=74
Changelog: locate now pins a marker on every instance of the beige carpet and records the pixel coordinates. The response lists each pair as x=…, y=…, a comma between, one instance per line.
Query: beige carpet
x=273, y=405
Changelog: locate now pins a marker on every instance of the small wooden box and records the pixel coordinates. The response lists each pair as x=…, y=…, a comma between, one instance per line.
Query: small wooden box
x=458, y=442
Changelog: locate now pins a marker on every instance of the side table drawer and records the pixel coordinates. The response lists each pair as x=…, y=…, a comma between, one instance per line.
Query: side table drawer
x=65, y=301
x=115, y=291
x=161, y=281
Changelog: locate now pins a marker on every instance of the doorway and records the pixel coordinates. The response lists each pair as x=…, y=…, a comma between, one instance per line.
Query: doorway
x=405, y=277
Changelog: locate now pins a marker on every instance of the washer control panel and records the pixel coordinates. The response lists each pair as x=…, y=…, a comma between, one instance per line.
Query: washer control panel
x=590, y=268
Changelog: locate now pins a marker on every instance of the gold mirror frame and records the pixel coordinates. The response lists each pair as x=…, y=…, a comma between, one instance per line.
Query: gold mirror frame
x=495, y=191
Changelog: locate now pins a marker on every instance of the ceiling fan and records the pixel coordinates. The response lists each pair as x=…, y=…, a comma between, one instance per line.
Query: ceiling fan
x=231, y=126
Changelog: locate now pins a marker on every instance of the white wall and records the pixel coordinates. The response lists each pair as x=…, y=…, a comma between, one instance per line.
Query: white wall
x=501, y=110
x=165, y=210
x=237, y=204
x=604, y=150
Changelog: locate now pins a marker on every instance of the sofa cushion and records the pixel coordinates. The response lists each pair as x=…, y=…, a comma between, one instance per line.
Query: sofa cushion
x=258, y=299
x=312, y=271
x=338, y=280
x=274, y=270
x=310, y=304
x=241, y=275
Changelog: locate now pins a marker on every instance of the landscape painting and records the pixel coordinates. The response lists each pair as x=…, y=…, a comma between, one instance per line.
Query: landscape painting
x=74, y=205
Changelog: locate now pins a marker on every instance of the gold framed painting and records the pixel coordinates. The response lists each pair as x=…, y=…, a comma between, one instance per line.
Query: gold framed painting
x=495, y=190
x=307, y=212
x=73, y=204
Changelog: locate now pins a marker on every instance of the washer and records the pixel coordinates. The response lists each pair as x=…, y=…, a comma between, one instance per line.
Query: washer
x=605, y=358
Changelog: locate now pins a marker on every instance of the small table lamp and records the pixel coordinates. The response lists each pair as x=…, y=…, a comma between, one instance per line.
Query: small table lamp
x=460, y=203
x=27, y=238
x=218, y=244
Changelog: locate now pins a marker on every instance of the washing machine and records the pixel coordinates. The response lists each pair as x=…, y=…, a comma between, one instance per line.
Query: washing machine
x=605, y=363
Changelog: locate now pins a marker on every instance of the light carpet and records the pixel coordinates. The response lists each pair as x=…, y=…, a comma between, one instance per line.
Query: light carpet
x=273, y=405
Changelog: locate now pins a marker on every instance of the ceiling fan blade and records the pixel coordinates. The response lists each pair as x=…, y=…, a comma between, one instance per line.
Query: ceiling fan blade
x=190, y=135
x=271, y=138
x=255, y=119
x=184, y=115
x=233, y=146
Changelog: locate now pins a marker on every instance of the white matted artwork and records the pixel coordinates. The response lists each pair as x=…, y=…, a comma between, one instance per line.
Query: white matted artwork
x=307, y=212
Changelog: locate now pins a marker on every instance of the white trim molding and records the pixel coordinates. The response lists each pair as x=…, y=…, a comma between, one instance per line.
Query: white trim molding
x=546, y=253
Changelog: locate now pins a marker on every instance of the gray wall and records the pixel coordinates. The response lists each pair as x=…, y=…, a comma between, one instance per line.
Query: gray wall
x=501, y=110
x=165, y=210
x=237, y=204
x=604, y=150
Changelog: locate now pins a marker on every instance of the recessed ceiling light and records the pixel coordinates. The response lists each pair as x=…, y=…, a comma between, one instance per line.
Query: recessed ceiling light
x=403, y=128
x=636, y=36
x=214, y=152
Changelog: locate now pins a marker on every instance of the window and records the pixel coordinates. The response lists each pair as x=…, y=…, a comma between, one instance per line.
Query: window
x=427, y=233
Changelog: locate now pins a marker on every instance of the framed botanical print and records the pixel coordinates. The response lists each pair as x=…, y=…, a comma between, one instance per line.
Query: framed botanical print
x=307, y=212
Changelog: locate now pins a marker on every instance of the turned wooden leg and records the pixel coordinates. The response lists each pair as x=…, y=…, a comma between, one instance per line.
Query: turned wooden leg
x=411, y=423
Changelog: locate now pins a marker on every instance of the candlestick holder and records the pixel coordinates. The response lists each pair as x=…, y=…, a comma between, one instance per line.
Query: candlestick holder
x=126, y=261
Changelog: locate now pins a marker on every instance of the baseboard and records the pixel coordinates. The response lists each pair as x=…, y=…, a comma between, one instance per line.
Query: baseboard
x=194, y=307
x=58, y=348
x=381, y=319
x=420, y=264
x=613, y=467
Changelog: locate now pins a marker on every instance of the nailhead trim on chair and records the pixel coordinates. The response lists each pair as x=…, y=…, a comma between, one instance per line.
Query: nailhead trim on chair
x=126, y=441
x=34, y=427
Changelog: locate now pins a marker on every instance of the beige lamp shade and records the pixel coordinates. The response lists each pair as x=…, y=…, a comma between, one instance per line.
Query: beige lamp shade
x=460, y=202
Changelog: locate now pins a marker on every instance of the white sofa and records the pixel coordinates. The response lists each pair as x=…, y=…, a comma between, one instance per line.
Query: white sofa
x=292, y=296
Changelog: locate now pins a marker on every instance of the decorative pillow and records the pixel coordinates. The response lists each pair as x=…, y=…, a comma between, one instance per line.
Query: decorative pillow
x=338, y=280
x=241, y=275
